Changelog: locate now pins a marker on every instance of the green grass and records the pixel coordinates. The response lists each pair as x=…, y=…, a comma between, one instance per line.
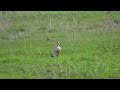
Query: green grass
x=90, y=42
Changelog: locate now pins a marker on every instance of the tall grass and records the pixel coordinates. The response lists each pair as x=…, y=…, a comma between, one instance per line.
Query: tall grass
x=90, y=42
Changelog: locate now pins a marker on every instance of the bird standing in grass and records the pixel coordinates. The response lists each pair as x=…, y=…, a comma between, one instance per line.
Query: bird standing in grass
x=56, y=50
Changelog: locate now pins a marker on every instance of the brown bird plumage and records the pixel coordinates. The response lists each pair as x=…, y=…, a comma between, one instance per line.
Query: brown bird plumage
x=56, y=50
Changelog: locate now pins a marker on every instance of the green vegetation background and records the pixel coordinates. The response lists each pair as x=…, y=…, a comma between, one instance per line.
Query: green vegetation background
x=90, y=42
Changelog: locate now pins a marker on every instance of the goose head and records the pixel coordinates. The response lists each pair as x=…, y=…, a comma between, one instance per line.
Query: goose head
x=58, y=43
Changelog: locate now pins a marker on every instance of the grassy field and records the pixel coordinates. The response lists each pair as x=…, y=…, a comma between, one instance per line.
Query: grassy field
x=90, y=42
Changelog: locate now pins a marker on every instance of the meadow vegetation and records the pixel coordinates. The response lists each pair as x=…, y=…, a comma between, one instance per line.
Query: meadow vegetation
x=90, y=42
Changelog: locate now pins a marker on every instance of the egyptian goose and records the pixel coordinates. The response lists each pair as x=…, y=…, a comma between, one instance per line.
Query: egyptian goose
x=56, y=50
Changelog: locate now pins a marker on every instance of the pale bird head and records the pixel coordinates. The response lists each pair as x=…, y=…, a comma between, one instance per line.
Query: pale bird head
x=58, y=43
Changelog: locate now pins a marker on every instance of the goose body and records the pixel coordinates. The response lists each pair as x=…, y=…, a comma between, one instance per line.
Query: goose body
x=56, y=50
